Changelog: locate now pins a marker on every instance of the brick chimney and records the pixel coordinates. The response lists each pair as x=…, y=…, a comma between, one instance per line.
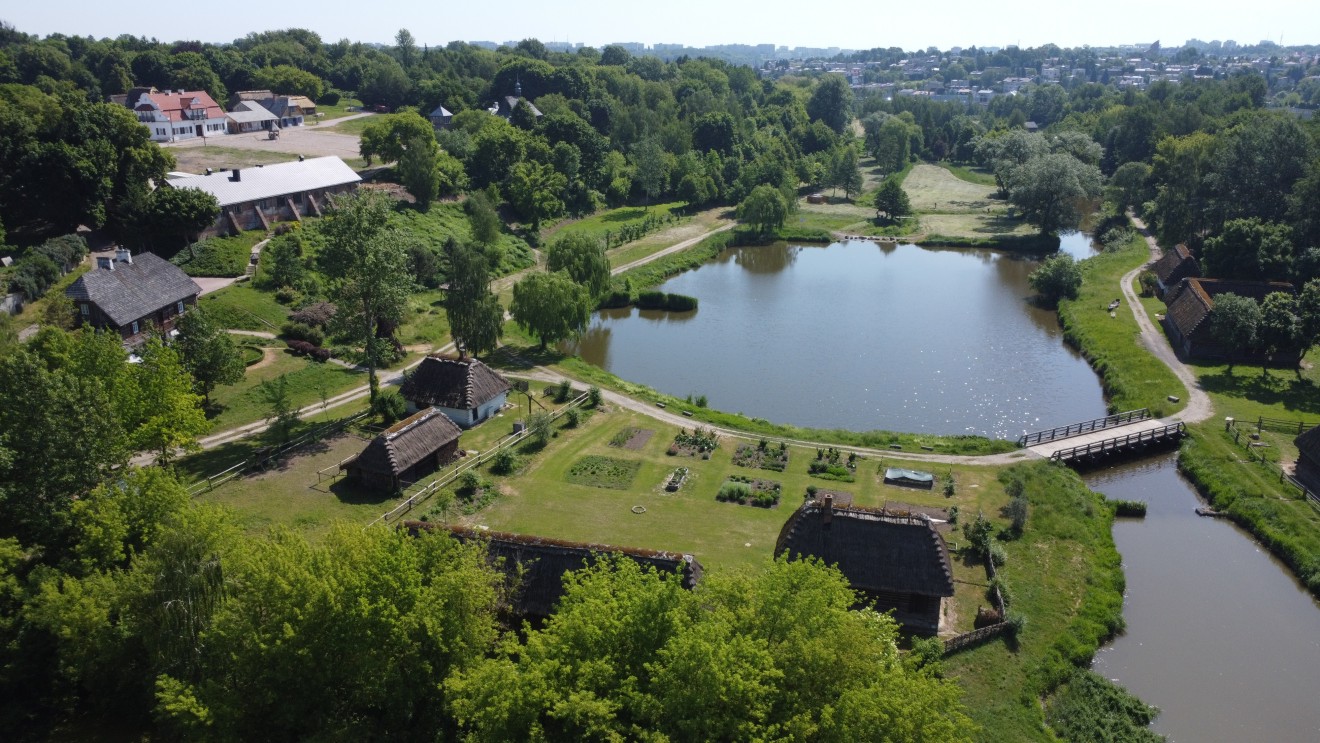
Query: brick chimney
x=237, y=175
x=122, y=255
x=827, y=510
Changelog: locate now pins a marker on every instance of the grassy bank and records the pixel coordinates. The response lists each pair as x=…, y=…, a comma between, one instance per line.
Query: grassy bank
x=1252, y=494
x=1132, y=377
x=1065, y=577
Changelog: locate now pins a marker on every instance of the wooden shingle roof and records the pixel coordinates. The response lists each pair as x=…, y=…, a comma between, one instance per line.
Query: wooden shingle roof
x=1176, y=265
x=1195, y=298
x=539, y=564
x=874, y=549
x=134, y=290
x=407, y=442
x=457, y=384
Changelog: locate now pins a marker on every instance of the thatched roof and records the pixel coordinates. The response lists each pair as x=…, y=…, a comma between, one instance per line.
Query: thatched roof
x=1195, y=299
x=541, y=563
x=407, y=442
x=457, y=384
x=874, y=549
x=1176, y=265
x=1308, y=445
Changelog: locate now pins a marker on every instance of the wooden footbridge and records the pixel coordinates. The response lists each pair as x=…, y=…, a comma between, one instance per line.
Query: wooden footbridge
x=1105, y=439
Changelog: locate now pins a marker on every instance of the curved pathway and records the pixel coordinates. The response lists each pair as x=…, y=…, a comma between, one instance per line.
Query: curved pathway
x=1199, y=407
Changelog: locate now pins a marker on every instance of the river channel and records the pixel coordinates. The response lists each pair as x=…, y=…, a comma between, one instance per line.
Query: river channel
x=1220, y=636
x=859, y=336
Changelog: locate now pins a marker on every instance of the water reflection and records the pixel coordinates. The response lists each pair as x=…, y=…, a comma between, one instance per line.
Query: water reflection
x=1219, y=635
x=858, y=336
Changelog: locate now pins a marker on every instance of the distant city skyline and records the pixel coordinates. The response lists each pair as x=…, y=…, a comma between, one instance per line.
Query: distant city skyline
x=847, y=24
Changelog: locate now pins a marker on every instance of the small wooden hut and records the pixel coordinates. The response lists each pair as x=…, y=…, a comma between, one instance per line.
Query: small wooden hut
x=900, y=563
x=1308, y=459
x=535, y=566
x=407, y=451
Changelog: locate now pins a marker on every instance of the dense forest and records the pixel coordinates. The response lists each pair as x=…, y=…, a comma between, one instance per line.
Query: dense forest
x=125, y=605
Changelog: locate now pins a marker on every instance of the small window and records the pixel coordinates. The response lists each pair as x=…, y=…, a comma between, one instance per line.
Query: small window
x=135, y=327
x=180, y=308
x=84, y=310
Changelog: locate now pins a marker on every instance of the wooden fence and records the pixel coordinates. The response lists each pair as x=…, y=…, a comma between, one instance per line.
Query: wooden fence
x=1077, y=429
x=978, y=636
x=1283, y=425
x=264, y=456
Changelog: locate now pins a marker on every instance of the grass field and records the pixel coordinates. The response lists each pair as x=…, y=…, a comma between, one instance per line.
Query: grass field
x=219, y=256
x=610, y=221
x=953, y=207
x=242, y=307
x=339, y=110
x=352, y=128
x=1132, y=377
x=688, y=228
x=288, y=493
x=307, y=380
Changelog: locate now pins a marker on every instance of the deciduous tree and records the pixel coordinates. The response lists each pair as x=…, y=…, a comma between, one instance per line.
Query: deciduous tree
x=1234, y=322
x=583, y=258
x=550, y=305
x=764, y=209
x=1054, y=191
x=207, y=352
x=1059, y=277
x=892, y=201
x=476, y=319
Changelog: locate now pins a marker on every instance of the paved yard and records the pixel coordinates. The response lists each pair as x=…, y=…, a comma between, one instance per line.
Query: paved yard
x=250, y=149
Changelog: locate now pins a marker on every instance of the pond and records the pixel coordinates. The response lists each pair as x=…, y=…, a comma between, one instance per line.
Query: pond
x=859, y=336
x=1219, y=636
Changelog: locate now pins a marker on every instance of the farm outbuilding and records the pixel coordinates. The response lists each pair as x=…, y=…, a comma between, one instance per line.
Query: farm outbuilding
x=900, y=562
x=406, y=452
x=535, y=566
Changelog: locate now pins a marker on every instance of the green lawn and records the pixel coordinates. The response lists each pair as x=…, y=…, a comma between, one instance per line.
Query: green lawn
x=610, y=221
x=242, y=403
x=677, y=232
x=1132, y=377
x=219, y=256
x=242, y=307
x=446, y=220
x=339, y=110
x=352, y=128
x=979, y=176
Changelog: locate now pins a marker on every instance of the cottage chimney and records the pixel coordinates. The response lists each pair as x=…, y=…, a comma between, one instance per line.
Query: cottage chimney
x=122, y=255
x=237, y=175
x=208, y=171
x=827, y=510
x=300, y=158
x=106, y=262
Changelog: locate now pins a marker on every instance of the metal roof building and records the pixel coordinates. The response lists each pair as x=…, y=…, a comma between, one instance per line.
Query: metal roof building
x=271, y=181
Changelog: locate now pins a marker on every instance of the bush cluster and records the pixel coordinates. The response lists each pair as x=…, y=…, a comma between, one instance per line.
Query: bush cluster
x=656, y=300
x=296, y=331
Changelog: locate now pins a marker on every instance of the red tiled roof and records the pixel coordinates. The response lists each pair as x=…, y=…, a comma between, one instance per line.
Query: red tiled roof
x=174, y=104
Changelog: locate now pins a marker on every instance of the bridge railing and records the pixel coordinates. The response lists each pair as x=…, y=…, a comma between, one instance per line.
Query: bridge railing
x=1121, y=442
x=1078, y=429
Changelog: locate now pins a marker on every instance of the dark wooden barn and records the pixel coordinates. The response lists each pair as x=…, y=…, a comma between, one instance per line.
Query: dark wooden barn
x=535, y=566
x=1188, y=319
x=899, y=562
x=407, y=451
x=1308, y=459
x=1172, y=267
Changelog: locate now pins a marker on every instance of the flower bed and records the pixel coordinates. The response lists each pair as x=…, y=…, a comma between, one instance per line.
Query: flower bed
x=677, y=479
x=762, y=456
x=746, y=491
x=831, y=465
x=701, y=441
x=603, y=472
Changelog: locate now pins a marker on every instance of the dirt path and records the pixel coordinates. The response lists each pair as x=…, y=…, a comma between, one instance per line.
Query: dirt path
x=1199, y=407
x=676, y=247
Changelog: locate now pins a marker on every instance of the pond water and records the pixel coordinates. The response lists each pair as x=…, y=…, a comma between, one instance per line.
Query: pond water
x=859, y=336
x=1219, y=635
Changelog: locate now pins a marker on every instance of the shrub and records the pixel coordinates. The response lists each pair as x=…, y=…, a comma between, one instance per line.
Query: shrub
x=315, y=315
x=216, y=256
x=330, y=98
x=997, y=554
x=504, y=463
x=468, y=483
x=320, y=354
x=614, y=300
x=287, y=295
x=594, y=397
x=1016, y=510
x=300, y=348
x=33, y=275
x=1057, y=278
x=702, y=401
x=65, y=251
x=296, y=331
x=736, y=492
x=563, y=391
x=680, y=303
x=389, y=406
x=652, y=300
x=572, y=418
x=1134, y=508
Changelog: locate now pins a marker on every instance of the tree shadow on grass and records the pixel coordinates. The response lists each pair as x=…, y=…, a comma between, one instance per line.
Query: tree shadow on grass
x=1270, y=388
x=997, y=225
x=624, y=215
x=353, y=493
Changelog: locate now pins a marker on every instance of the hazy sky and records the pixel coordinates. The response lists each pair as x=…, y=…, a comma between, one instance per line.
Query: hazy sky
x=850, y=24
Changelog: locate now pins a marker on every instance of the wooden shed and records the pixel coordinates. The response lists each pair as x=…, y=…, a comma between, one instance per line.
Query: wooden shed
x=1172, y=267
x=535, y=566
x=898, y=562
x=407, y=451
x=1188, y=319
x=1308, y=459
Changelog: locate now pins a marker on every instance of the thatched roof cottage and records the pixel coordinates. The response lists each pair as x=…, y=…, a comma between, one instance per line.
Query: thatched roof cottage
x=465, y=389
x=407, y=451
x=899, y=562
